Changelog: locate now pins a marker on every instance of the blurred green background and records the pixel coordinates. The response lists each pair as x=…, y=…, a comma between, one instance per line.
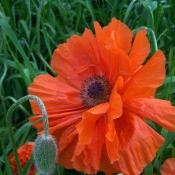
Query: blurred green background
x=30, y=30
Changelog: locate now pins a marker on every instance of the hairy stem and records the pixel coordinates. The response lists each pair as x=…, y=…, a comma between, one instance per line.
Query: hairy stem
x=8, y=121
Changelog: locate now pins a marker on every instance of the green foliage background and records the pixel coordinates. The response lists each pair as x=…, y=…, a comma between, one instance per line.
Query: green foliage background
x=31, y=29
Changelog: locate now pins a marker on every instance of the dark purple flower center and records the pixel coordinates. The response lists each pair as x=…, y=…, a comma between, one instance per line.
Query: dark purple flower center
x=95, y=90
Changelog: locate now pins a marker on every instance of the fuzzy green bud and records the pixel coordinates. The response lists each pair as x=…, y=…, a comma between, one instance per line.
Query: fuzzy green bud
x=45, y=154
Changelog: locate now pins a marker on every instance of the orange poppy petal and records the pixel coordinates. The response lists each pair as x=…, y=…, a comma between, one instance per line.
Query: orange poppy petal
x=77, y=59
x=159, y=111
x=168, y=167
x=122, y=34
x=115, y=102
x=140, y=49
x=124, y=63
x=125, y=128
x=115, y=111
x=147, y=79
x=87, y=157
x=56, y=121
x=114, y=61
x=139, y=151
x=107, y=59
x=66, y=139
x=66, y=155
x=54, y=93
x=111, y=141
x=89, y=121
x=56, y=96
x=67, y=136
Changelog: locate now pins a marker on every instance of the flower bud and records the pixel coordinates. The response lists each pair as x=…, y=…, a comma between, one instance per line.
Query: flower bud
x=45, y=154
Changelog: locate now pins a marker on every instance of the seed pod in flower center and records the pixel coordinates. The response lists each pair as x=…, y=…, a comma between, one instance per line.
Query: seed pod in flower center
x=45, y=154
x=95, y=90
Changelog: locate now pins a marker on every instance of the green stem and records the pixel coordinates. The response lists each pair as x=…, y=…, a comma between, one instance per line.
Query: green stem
x=8, y=121
x=155, y=47
x=127, y=13
x=2, y=88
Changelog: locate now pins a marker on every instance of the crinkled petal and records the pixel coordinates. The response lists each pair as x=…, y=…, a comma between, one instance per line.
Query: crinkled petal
x=111, y=141
x=159, y=111
x=67, y=136
x=55, y=121
x=87, y=126
x=140, y=150
x=125, y=128
x=115, y=102
x=147, y=79
x=57, y=96
x=107, y=59
x=64, y=158
x=140, y=49
x=122, y=34
x=87, y=157
x=114, y=61
x=67, y=139
x=124, y=64
x=54, y=93
x=77, y=59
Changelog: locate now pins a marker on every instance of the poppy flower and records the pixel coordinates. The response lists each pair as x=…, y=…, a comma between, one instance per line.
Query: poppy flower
x=24, y=155
x=99, y=102
x=168, y=167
